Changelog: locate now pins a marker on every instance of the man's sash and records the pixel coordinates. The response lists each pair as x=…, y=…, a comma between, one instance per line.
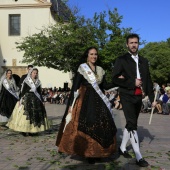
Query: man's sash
x=31, y=84
x=93, y=82
x=7, y=87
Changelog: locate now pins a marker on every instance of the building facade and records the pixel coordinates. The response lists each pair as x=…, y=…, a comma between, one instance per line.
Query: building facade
x=21, y=18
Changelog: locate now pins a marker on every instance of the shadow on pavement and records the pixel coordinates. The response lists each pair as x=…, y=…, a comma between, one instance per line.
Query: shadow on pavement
x=144, y=133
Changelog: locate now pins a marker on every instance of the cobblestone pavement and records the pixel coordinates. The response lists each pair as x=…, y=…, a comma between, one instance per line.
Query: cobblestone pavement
x=40, y=153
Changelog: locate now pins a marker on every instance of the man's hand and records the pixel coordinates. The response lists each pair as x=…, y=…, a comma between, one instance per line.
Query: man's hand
x=154, y=104
x=121, y=77
x=138, y=83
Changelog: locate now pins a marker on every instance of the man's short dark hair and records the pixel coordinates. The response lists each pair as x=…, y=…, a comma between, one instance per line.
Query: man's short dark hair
x=132, y=36
x=30, y=66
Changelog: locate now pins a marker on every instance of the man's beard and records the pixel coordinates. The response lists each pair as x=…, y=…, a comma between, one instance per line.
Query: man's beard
x=133, y=52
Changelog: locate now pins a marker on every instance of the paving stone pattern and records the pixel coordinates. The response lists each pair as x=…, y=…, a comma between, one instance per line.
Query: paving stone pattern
x=40, y=153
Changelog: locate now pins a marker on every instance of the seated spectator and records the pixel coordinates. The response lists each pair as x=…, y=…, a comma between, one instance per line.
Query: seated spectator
x=117, y=102
x=62, y=96
x=146, y=105
x=159, y=108
x=159, y=102
x=50, y=95
x=54, y=97
x=112, y=96
x=167, y=105
x=168, y=87
x=58, y=98
x=107, y=94
x=165, y=99
x=164, y=86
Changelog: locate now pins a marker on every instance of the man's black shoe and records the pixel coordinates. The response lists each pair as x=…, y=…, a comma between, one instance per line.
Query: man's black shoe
x=125, y=154
x=142, y=163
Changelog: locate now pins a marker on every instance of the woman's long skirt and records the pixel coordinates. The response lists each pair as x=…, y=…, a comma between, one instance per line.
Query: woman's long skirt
x=75, y=142
x=29, y=116
x=7, y=104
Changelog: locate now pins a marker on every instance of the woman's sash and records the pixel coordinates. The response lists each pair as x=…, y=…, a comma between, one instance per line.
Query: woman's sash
x=31, y=84
x=93, y=82
x=7, y=87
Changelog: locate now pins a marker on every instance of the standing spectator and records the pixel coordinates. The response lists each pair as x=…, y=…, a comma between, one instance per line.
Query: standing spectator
x=66, y=98
x=55, y=89
x=29, y=67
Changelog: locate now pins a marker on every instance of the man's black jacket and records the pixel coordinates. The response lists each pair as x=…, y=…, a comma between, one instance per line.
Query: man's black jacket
x=126, y=66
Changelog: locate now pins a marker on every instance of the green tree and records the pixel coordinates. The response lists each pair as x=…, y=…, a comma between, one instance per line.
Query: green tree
x=158, y=55
x=61, y=46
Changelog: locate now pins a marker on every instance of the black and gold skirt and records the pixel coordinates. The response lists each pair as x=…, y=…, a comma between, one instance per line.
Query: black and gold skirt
x=30, y=116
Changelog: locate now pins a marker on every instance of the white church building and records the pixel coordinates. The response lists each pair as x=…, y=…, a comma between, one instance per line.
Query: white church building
x=21, y=18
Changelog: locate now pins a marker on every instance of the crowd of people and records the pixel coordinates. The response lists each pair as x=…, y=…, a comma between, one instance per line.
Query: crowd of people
x=56, y=95
x=163, y=100
x=88, y=126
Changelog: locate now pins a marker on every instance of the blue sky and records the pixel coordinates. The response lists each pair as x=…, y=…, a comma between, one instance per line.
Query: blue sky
x=148, y=18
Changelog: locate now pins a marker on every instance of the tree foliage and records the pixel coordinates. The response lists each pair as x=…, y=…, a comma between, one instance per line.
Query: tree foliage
x=158, y=55
x=60, y=46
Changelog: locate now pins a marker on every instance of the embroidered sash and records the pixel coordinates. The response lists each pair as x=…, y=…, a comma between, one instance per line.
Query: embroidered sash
x=31, y=84
x=7, y=87
x=93, y=82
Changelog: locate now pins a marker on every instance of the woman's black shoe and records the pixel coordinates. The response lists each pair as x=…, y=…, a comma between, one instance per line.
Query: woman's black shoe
x=33, y=134
x=91, y=160
x=23, y=134
x=98, y=159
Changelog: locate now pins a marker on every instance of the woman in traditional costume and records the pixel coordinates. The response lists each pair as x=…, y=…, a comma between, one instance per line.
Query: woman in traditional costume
x=8, y=96
x=91, y=130
x=29, y=115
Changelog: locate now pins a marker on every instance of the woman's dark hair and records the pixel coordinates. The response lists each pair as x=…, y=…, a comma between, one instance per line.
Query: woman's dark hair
x=8, y=71
x=85, y=55
x=162, y=91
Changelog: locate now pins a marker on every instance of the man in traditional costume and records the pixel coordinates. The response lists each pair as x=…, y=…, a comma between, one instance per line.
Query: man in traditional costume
x=131, y=74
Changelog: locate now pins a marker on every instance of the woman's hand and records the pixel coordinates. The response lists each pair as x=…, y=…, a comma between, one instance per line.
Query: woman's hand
x=69, y=110
x=19, y=104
